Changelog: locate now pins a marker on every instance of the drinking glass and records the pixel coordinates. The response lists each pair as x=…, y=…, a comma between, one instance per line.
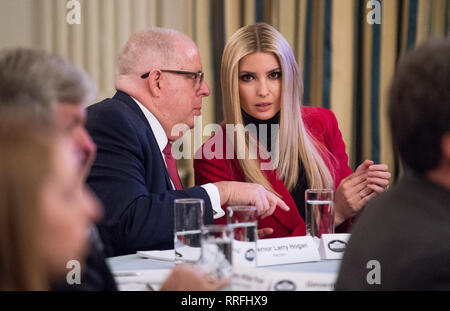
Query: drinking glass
x=216, y=245
x=188, y=222
x=244, y=221
x=319, y=204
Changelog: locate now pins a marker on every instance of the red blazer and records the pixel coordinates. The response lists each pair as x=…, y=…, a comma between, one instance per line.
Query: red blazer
x=322, y=125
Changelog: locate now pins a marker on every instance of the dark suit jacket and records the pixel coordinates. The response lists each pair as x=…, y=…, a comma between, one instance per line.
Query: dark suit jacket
x=407, y=230
x=130, y=178
x=323, y=125
x=96, y=275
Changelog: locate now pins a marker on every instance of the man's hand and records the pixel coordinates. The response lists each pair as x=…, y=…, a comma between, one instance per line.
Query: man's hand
x=242, y=193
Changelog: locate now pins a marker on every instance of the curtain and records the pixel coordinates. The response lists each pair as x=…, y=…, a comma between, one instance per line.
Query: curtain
x=347, y=61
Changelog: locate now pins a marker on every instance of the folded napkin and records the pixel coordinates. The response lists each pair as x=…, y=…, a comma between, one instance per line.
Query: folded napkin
x=137, y=287
x=167, y=255
x=187, y=253
x=154, y=276
x=257, y=279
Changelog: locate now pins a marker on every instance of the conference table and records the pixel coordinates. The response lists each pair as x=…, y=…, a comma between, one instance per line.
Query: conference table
x=132, y=272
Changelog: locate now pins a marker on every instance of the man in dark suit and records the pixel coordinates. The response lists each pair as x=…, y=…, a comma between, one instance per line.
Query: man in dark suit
x=159, y=86
x=400, y=242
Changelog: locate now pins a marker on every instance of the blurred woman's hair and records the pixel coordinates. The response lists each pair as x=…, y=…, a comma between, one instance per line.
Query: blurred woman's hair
x=25, y=163
x=295, y=142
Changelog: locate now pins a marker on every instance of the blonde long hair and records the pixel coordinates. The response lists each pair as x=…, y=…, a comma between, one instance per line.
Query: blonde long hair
x=295, y=142
x=25, y=163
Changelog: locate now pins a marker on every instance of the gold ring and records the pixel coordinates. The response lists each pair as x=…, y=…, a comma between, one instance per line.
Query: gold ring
x=360, y=195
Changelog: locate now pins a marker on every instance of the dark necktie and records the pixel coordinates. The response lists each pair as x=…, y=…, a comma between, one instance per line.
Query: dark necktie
x=172, y=166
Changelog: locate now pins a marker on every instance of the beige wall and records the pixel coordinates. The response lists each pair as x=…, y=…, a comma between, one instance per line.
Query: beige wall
x=95, y=43
x=17, y=22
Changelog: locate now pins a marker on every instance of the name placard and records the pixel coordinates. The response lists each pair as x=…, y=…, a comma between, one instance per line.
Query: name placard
x=303, y=281
x=286, y=250
x=332, y=246
x=251, y=279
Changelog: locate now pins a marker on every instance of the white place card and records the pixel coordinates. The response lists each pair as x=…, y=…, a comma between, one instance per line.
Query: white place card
x=244, y=253
x=251, y=279
x=286, y=281
x=332, y=246
x=286, y=250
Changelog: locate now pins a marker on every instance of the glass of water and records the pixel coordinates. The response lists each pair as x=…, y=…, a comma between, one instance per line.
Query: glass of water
x=319, y=204
x=245, y=223
x=217, y=257
x=188, y=223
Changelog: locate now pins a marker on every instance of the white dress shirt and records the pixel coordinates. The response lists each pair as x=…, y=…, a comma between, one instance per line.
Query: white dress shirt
x=162, y=140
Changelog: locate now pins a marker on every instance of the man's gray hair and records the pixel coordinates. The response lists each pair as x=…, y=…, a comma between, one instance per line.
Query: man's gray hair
x=32, y=82
x=149, y=48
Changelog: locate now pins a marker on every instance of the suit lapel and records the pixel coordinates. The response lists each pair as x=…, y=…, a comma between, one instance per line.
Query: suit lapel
x=125, y=98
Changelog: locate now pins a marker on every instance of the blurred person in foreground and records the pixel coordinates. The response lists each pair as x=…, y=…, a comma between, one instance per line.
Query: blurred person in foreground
x=45, y=88
x=401, y=241
x=46, y=212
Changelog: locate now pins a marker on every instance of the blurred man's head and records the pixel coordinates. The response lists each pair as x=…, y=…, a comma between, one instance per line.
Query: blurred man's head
x=419, y=107
x=45, y=87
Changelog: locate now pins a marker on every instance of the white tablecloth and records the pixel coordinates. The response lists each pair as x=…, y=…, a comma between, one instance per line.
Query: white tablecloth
x=137, y=273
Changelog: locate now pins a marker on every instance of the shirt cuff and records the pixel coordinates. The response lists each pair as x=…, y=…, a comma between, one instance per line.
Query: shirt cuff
x=214, y=196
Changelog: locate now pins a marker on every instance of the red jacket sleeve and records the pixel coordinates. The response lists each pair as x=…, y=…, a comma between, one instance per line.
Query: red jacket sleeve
x=324, y=127
x=337, y=148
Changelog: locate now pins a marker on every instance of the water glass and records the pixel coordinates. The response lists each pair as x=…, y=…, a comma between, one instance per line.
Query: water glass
x=188, y=223
x=319, y=204
x=244, y=221
x=216, y=245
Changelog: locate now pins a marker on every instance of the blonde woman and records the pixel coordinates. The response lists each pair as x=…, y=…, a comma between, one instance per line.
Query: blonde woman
x=262, y=88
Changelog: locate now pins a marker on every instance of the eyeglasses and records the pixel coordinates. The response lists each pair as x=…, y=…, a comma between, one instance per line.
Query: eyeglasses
x=197, y=76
